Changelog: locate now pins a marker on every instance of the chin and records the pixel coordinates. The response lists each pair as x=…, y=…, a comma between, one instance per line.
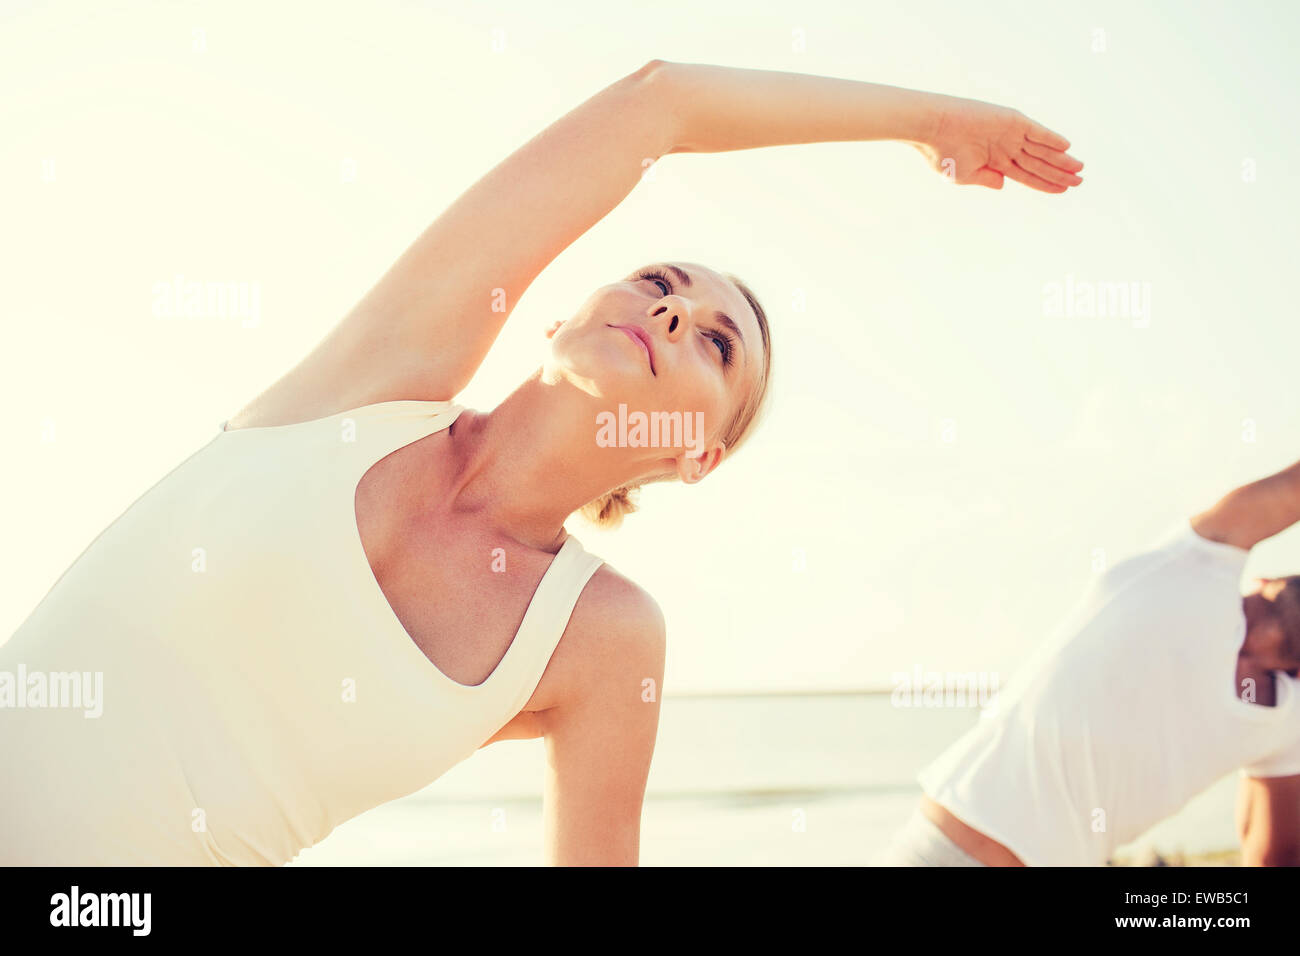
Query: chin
x=614, y=378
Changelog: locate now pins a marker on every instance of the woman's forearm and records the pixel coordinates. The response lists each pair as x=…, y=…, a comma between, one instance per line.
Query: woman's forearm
x=717, y=108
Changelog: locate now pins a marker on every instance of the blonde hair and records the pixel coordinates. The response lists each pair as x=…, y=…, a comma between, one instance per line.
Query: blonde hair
x=609, y=509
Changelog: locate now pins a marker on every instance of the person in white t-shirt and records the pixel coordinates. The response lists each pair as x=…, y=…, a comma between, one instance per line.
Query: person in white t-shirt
x=1162, y=680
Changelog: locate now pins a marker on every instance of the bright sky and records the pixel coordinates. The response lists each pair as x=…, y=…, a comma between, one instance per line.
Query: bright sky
x=944, y=455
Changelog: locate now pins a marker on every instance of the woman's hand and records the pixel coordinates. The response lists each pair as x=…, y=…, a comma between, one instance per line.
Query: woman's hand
x=977, y=143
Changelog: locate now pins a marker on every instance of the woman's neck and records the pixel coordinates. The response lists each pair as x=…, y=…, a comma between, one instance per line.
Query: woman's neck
x=523, y=468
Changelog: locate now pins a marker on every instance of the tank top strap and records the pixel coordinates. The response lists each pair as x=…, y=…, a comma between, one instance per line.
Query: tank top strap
x=543, y=625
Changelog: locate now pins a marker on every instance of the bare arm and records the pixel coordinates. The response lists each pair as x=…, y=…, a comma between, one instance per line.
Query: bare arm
x=1268, y=820
x=599, y=745
x=1249, y=514
x=717, y=109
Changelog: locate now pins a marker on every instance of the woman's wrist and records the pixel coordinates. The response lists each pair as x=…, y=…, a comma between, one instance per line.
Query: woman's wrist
x=926, y=117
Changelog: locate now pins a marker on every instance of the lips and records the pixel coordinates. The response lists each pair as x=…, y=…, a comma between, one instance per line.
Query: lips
x=642, y=338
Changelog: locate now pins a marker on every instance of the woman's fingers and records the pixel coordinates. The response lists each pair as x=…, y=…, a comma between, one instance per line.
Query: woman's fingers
x=1021, y=175
x=1047, y=171
x=1041, y=134
x=1058, y=158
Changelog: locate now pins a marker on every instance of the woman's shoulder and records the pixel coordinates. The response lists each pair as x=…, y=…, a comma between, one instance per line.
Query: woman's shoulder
x=616, y=602
x=617, y=631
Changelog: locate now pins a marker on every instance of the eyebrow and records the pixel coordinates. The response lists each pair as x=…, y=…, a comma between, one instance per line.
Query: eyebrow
x=721, y=317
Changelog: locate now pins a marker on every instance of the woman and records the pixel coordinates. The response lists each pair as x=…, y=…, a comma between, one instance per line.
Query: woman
x=358, y=582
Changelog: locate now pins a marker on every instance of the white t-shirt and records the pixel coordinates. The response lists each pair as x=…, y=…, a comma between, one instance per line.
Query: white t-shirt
x=1124, y=714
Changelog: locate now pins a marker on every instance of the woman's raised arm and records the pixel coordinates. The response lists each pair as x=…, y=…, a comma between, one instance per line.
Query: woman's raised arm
x=441, y=306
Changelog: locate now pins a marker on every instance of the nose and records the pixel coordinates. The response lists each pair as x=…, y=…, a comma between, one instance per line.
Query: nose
x=673, y=314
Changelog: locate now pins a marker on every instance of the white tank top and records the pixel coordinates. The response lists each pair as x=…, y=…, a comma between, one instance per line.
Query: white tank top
x=257, y=687
x=1128, y=711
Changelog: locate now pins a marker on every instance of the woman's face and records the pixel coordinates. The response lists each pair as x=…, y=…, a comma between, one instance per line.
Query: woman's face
x=698, y=359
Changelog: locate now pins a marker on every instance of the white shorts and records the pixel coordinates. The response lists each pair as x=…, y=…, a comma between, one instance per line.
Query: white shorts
x=921, y=843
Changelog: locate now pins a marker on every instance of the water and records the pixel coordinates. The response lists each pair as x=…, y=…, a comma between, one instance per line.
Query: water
x=736, y=781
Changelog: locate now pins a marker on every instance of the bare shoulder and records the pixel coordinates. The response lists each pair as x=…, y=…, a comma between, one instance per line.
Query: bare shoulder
x=617, y=632
x=619, y=604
